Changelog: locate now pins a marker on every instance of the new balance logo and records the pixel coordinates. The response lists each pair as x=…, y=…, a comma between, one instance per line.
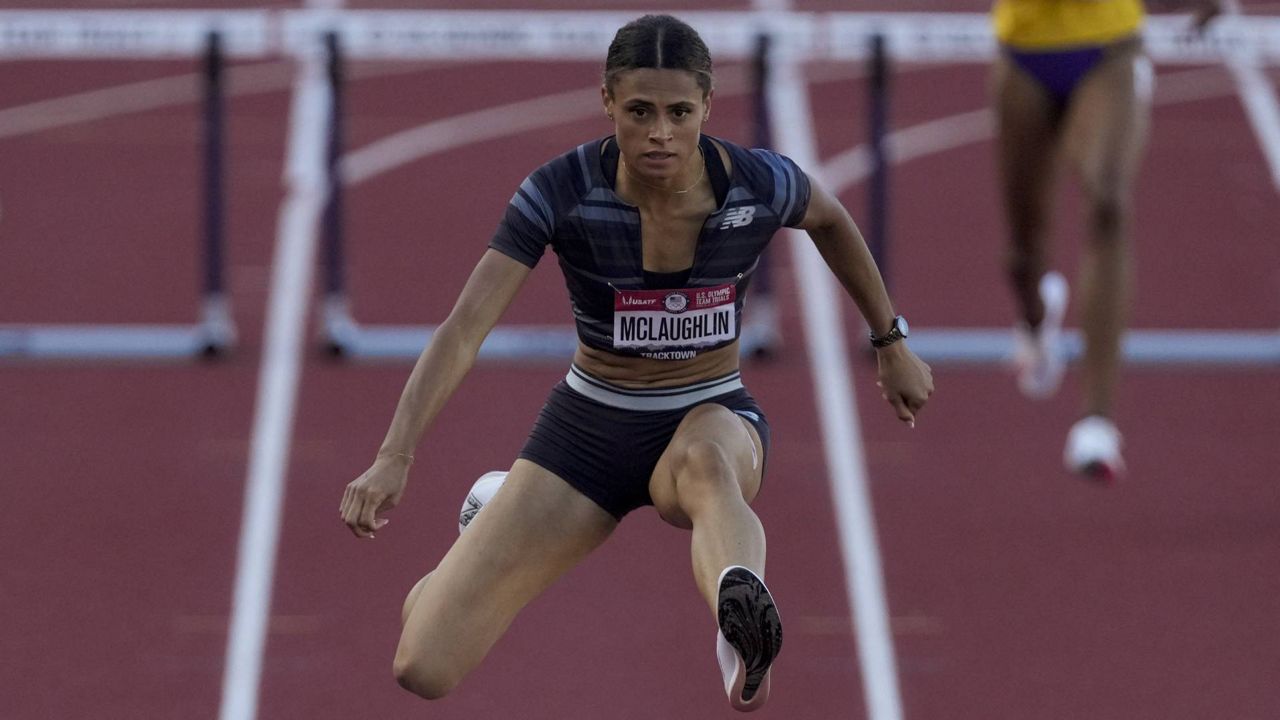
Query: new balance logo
x=738, y=217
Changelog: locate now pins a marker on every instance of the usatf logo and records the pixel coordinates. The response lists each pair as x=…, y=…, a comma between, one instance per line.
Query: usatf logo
x=738, y=217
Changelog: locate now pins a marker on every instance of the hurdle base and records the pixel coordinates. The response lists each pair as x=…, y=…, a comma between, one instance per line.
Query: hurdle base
x=110, y=342
x=979, y=346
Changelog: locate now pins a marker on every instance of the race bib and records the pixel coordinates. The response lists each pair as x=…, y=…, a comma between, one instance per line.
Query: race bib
x=660, y=321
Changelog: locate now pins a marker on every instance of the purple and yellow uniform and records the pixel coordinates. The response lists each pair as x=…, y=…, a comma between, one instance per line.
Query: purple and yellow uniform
x=1058, y=41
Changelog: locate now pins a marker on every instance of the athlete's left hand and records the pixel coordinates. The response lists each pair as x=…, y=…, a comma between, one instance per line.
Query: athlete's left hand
x=1204, y=11
x=905, y=380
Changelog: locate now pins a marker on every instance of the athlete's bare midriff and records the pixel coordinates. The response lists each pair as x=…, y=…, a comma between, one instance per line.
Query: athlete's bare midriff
x=639, y=372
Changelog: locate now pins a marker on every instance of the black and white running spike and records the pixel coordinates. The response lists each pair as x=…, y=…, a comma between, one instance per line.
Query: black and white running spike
x=749, y=639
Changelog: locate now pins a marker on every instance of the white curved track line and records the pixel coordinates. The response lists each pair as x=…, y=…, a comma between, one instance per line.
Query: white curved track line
x=840, y=171
x=955, y=131
x=491, y=123
x=915, y=141
x=459, y=130
x=109, y=102
x=135, y=97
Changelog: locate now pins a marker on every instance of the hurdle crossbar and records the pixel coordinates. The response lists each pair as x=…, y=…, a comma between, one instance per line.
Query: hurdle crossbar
x=214, y=333
x=979, y=346
x=559, y=36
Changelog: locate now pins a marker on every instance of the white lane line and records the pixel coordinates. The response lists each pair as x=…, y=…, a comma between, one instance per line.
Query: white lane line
x=837, y=406
x=298, y=227
x=1257, y=94
x=1259, y=98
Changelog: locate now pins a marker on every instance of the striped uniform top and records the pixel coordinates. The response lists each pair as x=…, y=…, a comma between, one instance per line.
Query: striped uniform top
x=570, y=205
x=1056, y=24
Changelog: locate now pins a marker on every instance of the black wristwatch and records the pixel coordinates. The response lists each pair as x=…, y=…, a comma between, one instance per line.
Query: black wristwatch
x=896, y=332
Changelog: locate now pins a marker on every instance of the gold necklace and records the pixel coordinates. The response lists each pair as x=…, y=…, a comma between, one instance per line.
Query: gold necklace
x=633, y=176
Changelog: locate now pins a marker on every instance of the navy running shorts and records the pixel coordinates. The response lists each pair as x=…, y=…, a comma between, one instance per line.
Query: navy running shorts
x=605, y=440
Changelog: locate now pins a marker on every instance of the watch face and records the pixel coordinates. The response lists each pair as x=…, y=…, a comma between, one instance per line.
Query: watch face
x=902, y=325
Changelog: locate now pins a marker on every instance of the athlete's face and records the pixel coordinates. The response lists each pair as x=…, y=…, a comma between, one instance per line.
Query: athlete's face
x=658, y=116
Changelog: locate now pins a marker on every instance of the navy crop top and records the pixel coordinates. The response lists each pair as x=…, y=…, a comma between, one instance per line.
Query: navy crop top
x=570, y=204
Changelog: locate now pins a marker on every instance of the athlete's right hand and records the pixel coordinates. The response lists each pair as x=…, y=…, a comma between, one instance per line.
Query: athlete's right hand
x=905, y=380
x=1204, y=11
x=373, y=493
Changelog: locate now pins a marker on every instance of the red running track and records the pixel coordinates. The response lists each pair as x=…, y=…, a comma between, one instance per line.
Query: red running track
x=1015, y=590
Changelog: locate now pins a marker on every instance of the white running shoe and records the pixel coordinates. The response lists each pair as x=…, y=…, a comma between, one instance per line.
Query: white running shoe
x=1093, y=449
x=1038, y=354
x=749, y=639
x=482, y=491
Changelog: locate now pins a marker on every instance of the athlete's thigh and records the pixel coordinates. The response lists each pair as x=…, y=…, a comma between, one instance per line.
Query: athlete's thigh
x=533, y=530
x=707, y=427
x=1107, y=122
x=1027, y=136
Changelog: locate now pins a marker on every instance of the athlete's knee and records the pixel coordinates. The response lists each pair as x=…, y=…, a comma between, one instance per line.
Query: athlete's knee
x=1028, y=223
x=704, y=468
x=422, y=677
x=1108, y=217
x=412, y=598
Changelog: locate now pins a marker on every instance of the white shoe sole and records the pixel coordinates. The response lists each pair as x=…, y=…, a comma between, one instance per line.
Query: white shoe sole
x=481, y=492
x=1093, y=450
x=749, y=639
